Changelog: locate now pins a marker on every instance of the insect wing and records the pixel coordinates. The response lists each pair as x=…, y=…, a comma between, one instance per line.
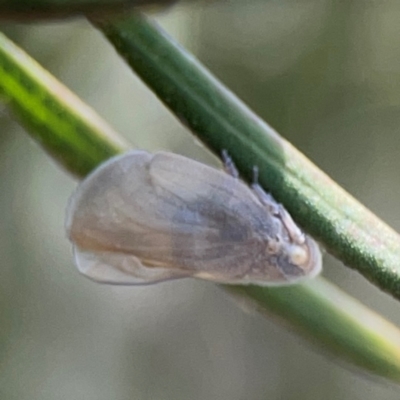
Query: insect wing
x=143, y=218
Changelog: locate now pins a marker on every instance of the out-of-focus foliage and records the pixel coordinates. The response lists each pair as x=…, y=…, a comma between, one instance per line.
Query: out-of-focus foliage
x=36, y=10
x=328, y=81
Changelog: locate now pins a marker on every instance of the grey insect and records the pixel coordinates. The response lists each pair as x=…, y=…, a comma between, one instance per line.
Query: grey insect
x=142, y=218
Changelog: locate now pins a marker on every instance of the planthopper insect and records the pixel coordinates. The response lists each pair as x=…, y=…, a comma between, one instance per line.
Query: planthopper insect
x=142, y=218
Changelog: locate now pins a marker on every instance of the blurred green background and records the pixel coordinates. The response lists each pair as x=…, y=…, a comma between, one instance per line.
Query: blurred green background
x=326, y=75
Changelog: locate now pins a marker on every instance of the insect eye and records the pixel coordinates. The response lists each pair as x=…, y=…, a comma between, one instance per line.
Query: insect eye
x=297, y=255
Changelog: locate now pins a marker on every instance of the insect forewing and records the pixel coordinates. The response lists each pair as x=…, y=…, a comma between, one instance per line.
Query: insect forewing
x=142, y=218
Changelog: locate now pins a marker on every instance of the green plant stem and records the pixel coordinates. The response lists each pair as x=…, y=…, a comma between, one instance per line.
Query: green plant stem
x=65, y=126
x=347, y=229
x=332, y=320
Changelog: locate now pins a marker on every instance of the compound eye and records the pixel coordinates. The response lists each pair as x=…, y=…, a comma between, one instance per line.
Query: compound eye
x=297, y=255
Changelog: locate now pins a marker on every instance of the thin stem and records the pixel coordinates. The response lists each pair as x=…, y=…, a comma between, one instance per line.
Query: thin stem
x=217, y=117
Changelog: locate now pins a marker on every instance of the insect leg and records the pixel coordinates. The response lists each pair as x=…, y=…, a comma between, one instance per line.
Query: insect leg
x=229, y=165
x=265, y=198
x=277, y=210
